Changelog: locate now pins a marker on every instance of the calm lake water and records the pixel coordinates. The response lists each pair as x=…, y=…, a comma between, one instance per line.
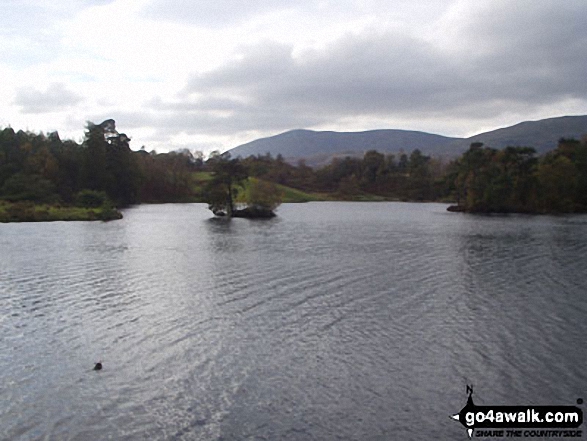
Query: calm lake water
x=333, y=321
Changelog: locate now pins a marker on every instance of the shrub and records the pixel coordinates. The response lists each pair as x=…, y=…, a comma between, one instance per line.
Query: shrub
x=24, y=187
x=91, y=199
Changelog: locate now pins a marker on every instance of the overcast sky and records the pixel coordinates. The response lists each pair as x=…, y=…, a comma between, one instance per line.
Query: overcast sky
x=212, y=74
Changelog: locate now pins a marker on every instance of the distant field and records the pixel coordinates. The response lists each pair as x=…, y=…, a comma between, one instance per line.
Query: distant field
x=290, y=195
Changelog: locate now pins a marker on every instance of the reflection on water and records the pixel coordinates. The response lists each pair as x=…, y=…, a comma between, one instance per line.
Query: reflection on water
x=332, y=321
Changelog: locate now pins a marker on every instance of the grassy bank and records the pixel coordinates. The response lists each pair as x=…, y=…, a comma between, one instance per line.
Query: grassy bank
x=289, y=194
x=29, y=212
x=293, y=195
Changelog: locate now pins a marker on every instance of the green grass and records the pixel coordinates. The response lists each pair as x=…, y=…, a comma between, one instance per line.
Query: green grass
x=293, y=195
x=289, y=194
x=29, y=212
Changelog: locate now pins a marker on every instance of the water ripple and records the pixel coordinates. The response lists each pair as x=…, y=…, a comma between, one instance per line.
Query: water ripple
x=346, y=321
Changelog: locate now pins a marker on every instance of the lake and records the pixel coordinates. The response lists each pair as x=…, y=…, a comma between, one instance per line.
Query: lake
x=333, y=321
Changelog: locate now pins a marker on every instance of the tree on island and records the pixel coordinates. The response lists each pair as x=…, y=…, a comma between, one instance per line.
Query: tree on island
x=261, y=197
x=229, y=179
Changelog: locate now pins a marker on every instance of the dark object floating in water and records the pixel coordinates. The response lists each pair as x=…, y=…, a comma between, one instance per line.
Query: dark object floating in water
x=98, y=366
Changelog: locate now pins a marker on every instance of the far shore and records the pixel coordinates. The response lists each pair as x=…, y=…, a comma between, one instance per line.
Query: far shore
x=30, y=212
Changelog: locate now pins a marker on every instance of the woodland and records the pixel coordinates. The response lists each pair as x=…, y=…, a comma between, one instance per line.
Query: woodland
x=43, y=177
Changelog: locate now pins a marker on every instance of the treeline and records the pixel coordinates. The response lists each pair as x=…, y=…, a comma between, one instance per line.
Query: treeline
x=483, y=179
x=102, y=169
x=413, y=177
x=515, y=180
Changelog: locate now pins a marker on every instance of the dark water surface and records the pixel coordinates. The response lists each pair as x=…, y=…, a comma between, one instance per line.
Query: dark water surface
x=334, y=321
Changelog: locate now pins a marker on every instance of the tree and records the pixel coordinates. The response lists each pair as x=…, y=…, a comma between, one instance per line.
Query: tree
x=373, y=166
x=419, y=184
x=348, y=187
x=228, y=177
x=262, y=195
x=25, y=187
x=91, y=199
x=558, y=179
x=109, y=164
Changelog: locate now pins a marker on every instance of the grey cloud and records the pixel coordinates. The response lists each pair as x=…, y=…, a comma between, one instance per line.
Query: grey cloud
x=513, y=58
x=532, y=54
x=201, y=120
x=55, y=98
x=204, y=104
x=509, y=58
x=368, y=75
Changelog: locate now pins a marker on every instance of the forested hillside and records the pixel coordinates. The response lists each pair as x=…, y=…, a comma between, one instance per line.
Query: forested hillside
x=516, y=180
x=44, y=169
x=104, y=172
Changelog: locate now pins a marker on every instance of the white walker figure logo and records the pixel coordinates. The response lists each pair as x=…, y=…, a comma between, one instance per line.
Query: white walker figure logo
x=520, y=421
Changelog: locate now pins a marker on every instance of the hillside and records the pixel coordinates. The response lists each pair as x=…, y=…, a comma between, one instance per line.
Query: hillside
x=319, y=148
x=543, y=135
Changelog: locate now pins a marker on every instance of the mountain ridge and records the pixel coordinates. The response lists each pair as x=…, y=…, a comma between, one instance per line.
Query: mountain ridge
x=319, y=147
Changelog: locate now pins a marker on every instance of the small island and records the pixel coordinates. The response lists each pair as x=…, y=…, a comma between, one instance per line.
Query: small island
x=232, y=193
x=30, y=212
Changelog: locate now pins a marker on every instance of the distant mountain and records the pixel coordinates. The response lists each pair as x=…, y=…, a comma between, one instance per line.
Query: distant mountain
x=319, y=148
x=543, y=135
